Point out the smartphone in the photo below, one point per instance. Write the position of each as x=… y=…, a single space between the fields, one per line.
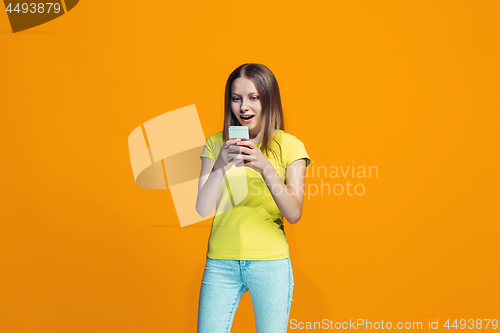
x=238 y=132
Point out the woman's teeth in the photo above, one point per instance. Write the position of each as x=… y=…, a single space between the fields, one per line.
x=247 y=118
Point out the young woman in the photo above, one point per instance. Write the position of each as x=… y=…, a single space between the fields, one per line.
x=252 y=183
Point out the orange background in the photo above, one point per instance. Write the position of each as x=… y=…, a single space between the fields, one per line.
x=412 y=88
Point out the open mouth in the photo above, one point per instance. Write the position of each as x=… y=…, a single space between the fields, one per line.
x=246 y=118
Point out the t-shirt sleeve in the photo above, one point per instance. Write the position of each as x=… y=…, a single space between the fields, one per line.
x=207 y=150
x=296 y=151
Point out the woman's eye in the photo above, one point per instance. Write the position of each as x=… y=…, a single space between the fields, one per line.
x=254 y=98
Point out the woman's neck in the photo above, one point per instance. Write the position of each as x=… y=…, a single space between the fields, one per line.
x=257 y=139
x=254 y=134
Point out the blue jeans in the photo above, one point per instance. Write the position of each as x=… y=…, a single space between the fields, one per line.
x=224 y=282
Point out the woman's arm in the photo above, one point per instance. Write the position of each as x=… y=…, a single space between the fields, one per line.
x=211 y=177
x=290 y=197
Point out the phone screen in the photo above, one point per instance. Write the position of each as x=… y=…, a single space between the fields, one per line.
x=238 y=132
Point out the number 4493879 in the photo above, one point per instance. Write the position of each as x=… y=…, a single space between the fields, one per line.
x=472 y=324
x=34 y=8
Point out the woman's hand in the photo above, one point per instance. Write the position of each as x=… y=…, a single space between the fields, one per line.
x=225 y=161
x=252 y=156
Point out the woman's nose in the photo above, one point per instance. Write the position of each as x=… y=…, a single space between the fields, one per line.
x=244 y=105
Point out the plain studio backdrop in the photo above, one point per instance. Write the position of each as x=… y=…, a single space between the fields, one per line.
x=409 y=87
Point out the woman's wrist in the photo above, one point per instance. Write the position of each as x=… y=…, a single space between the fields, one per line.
x=217 y=166
x=221 y=167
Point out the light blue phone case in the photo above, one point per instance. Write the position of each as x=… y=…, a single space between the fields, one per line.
x=240 y=132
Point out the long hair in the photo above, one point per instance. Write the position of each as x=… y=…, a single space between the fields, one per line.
x=269 y=95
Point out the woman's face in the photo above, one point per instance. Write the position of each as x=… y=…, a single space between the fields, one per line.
x=245 y=101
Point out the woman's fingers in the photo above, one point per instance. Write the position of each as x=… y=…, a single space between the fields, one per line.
x=246 y=142
x=235 y=155
x=232 y=142
x=241 y=150
x=232 y=153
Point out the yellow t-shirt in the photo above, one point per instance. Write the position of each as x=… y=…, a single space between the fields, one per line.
x=248 y=224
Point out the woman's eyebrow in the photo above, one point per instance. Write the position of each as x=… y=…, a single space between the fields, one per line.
x=248 y=93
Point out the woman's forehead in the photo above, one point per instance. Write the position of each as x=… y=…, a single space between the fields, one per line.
x=242 y=86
